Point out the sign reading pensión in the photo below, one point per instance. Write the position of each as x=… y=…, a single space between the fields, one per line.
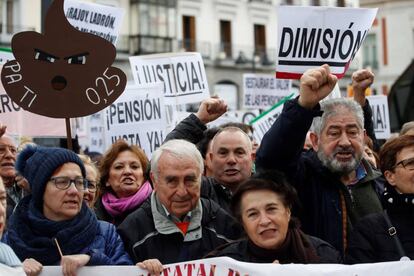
x=183 y=75
x=312 y=36
x=101 y=20
x=137 y=116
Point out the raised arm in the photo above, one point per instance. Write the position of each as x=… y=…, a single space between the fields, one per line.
x=283 y=143
x=192 y=127
x=361 y=80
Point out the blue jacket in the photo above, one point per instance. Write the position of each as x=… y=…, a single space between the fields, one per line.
x=319 y=190
x=107 y=247
x=31 y=235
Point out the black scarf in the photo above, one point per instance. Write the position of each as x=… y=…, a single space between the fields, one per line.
x=295 y=249
x=31 y=234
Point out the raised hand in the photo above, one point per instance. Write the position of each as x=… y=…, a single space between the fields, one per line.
x=210 y=109
x=315 y=85
x=361 y=80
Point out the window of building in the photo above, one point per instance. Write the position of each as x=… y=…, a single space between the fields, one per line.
x=316 y=3
x=370 y=55
x=9 y=18
x=259 y=40
x=153 y=24
x=340 y=3
x=189 y=35
x=225 y=38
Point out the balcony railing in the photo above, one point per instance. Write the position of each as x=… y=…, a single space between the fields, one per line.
x=147 y=44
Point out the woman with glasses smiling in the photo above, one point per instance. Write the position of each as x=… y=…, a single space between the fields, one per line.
x=389 y=236
x=53 y=225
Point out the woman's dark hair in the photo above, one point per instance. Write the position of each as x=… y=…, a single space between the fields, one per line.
x=270 y=180
x=389 y=151
x=110 y=156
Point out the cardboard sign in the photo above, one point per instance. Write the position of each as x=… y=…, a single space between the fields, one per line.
x=103 y=21
x=96 y=132
x=139 y=117
x=380 y=116
x=22 y=123
x=264 y=91
x=309 y=37
x=264 y=121
x=5 y=55
x=225 y=266
x=63 y=73
x=238 y=116
x=183 y=75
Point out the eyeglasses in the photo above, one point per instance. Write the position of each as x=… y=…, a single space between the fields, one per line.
x=91 y=185
x=407 y=164
x=63 y=182
x=4 y=148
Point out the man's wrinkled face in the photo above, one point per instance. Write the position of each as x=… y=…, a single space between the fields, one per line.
x=231 y=158
x=341 y=143
x=178 y=183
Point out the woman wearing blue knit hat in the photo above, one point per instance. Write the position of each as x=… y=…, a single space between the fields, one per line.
x=53 y=225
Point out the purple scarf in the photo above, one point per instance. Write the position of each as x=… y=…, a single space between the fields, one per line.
x=118 y=206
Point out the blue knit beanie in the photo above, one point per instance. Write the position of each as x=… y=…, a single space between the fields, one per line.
x=37 y=164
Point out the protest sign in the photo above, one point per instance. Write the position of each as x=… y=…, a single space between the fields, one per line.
x=264 y=91
x=183 y=75
x=101 y=20
x=264 y=121
x=138 y=116
x=5 y=55
x=22 y=123
x=380 y=116
x=225 y=266
x=237 y=116
x=96 y=133
x=312 y=36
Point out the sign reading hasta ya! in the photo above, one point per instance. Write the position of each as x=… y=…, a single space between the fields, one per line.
x=64 y=72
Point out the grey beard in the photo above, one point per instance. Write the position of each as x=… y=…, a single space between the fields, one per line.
x=335 y=166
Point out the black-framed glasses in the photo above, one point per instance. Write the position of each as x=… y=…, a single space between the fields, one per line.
x=92 y=185
x=407 y=164
x=64 y=182
x=4 y=148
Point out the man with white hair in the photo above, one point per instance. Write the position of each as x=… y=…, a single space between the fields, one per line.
x=335 y=185
x=175 y=225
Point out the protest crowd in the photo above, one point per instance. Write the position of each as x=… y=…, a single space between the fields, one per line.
x=318 y=188
x=211 y=192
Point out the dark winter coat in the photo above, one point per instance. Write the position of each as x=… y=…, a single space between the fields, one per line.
x=31 y=235
x=245 y=251
x=319 y=190
x=143 y=239
x=370 y=240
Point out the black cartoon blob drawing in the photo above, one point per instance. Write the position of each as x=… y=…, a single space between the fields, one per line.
x=63 y=73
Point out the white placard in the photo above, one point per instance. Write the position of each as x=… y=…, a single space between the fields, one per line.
x=264 y=121
x=311 y=36
x=264 y=91
x=225 y=266
x=183 y=75
x=101 y=20
x=5 y=55
x=380 y=116
x=137 y=116
x=96 y=132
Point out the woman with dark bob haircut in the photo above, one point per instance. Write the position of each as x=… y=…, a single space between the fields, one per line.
x=124 y=182
x=263 y=207
x=389 y=236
